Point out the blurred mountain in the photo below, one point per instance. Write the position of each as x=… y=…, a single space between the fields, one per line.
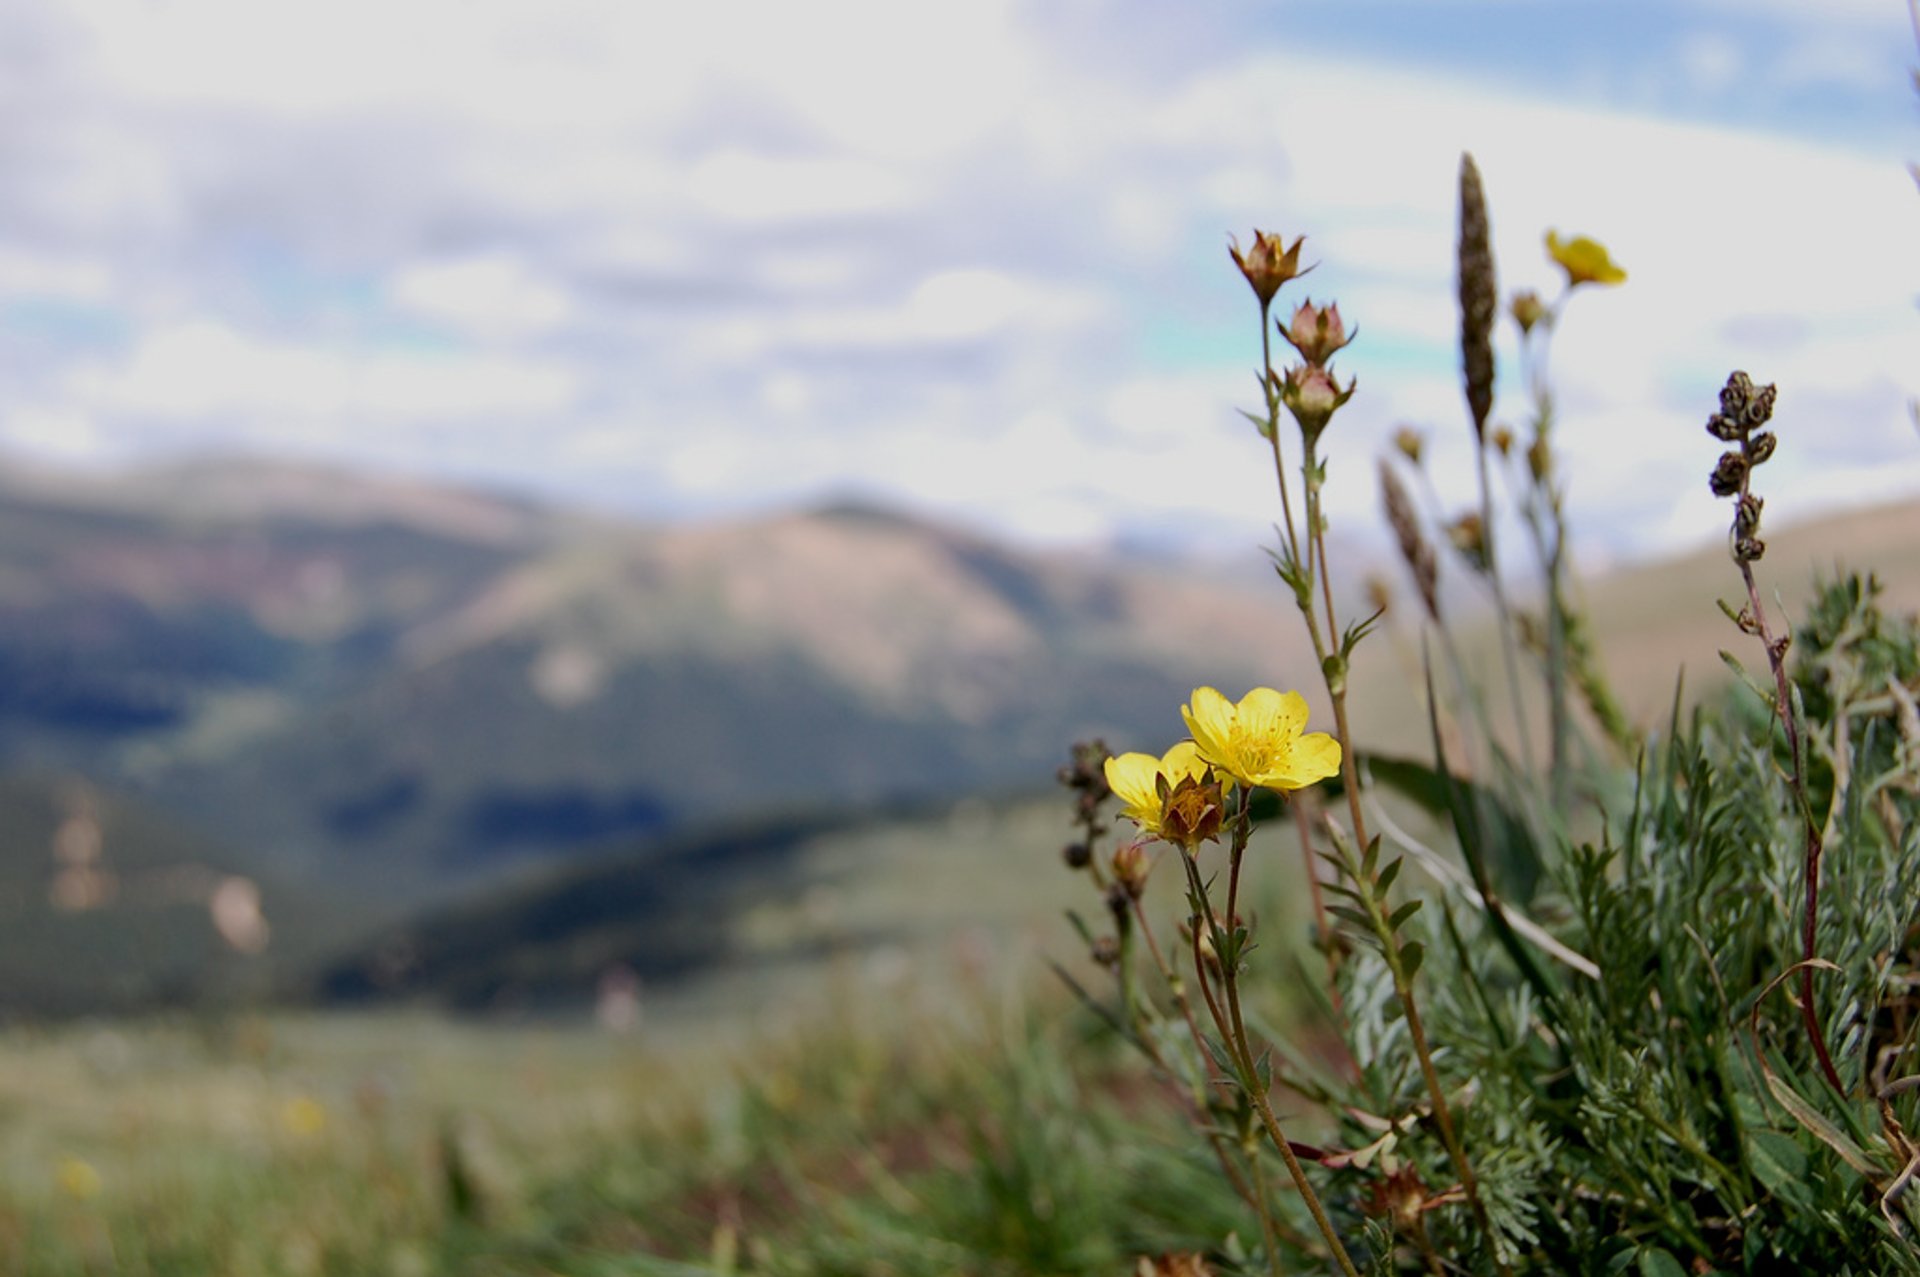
x=402 y=685
x=108 y=905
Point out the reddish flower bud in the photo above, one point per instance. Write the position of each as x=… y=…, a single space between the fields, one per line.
x=1268 y=264
x=1313 y=396
x=1316 y=332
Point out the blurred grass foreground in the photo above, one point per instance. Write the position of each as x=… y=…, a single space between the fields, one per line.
x=1459 y=960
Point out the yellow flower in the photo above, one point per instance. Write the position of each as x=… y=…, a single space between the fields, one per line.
x=1585 y=260
x=77 y=1178
x=303 y=1116
x=1259 y=740
x=1172 y=797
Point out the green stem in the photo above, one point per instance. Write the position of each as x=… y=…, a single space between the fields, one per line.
x=1178 y=992
x=1509 y=653
x=1241 y=1048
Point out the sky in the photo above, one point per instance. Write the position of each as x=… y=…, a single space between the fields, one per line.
x=685 y=260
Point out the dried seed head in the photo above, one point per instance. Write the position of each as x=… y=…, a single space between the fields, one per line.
x=1728 y=475
x=1724 y=428
x=1420 y=558
x=1479 y=298
x=1469 y=536
x=1744 y=408
x=1077 y=855
x=1502 y=440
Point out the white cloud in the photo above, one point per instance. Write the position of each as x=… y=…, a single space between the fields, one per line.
x=492 y=296
x=205 y=372
x=730 y=252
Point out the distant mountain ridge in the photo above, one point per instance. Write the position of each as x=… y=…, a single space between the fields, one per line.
x=363 y=677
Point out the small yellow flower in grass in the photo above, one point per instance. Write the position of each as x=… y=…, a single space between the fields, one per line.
x=1585 y=260
x=1259 y=741
x=1173 y=798
x=303 y=1117
x=77 y=1178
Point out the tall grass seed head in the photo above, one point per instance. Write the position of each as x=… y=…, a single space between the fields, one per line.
x=1269 y=264
x=1316 y=332
x=1479 y=296
x=1414 y=548
x=1585 y=260
x=1261 y=739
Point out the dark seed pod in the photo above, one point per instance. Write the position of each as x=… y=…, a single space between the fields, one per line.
x=1728 y=475
x=1479 y=296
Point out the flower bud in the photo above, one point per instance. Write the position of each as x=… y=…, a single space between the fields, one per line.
x=1539 y=461
x=1130 y=865
x=1268 y=265
x=1316 y=332
x=1469 y=536
x=1312 y=396
x=1410 y=442
x=1527 y=310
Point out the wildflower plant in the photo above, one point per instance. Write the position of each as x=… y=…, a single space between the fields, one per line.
x=1642 y=1003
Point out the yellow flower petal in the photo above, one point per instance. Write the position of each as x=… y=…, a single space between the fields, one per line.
x=1316 y=756
x=1134 y=780
x=1209 y=716
x=1585 y=260
x=1258 y=740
